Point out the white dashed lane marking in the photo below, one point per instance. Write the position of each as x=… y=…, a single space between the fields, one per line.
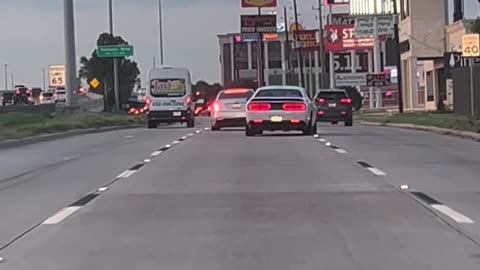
x=459 y=218
x=60 y=216
x=156 y=153
x=341 y=151
x=377 y=171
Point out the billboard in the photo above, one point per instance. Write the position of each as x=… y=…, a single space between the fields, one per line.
x=342 y=38
x=307 y=40
x=258 y=23
x=56 y=76
x=259 y=3
x=371 y=7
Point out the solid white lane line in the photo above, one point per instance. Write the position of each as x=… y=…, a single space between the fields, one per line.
x=60 y=216
x=377 y=171
x=156 y=153
x=459 y=218
x=341 y=151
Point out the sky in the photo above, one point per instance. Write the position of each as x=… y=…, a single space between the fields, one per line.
x=31 y=32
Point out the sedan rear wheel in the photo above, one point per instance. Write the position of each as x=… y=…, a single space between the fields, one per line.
x=249 y=132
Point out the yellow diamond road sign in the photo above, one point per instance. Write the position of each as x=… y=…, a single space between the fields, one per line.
x=94 y=83
x=471 y=45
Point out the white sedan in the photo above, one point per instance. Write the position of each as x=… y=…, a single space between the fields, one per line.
x=282 y=108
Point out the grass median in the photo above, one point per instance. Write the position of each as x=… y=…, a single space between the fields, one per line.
x=19 y=125
x=431 y=119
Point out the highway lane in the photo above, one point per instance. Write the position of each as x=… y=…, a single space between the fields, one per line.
x=445 y=168
x=223 y=201
x=40 y=179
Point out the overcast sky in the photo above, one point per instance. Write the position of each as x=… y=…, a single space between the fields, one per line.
x=31 y=32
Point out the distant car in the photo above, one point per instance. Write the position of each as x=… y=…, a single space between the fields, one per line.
x=60 y=95
x=334 y=106
x=228 y=109
x=8 y=98
x=47 y=97
x=23 y=95
x=282 y=108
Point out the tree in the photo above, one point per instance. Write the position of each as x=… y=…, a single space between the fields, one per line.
x=102 y=69
x=357 y=99
x=476 y=26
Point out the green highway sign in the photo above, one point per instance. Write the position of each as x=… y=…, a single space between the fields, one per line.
x=114 y=51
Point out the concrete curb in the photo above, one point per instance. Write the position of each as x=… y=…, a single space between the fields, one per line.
x=442 y=131
x=55 y=136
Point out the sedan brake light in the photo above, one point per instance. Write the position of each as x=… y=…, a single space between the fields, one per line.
x=320 y=100
x=259 y=107
x=345 y=101
x=17 y=92
x=294 y=107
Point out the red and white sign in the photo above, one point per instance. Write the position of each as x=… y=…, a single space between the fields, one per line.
x=259 y=3
x=342 y=38
x=307 y=40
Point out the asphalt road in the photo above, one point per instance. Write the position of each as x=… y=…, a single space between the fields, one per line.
x=219 y=200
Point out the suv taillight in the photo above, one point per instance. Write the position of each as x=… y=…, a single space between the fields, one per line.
x=321 y=100
x=294 y=107
x=345 y=101
x=259 y=107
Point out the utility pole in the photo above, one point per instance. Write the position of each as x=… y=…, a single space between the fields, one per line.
x=322 y=49
x=43 y=79
x=116 y=83
x=70 y=53
x=287 y=42
x=260 y=63
x=154 y=62
x=160 y=26
x=396 y=32
x=300 y=57
x=6 y=77
x=13 y=82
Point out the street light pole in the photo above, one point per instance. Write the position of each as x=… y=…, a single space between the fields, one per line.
x=6 y=77
x=115 y=61
x=70 y=53
x=160 y=27
x=322 y=49
x=396 y=31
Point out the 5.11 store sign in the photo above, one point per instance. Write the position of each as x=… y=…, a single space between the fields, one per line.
x=342 y=62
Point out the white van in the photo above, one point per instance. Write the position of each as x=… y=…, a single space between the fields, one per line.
x=170 y=96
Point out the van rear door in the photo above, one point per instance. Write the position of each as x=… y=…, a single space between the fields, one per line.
x=168 y=95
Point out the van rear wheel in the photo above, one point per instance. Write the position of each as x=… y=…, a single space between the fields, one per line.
x=190 y=122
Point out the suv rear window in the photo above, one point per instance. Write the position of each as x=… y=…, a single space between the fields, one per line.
x=168 y=87
x=279 y=93
x=235 y=94
x=47 y=94
x=332 y=95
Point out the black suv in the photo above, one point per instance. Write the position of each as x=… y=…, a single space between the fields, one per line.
x=334 y=106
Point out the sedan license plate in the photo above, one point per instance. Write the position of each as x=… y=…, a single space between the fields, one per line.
x=332 y=105
x=177 y=113
x=236 y=106
x=276 y=119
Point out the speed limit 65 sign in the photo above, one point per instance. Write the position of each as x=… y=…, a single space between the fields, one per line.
x=56 y=75
x=470 y=45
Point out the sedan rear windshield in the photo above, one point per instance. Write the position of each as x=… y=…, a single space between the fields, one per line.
x=168 y=87
x=47 y=94
x=332 y=95
x=236 y=95
x=280 y=93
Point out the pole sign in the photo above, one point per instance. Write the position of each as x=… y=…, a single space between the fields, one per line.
x=471 y=45
x=258 y=23
x=378 y=80
x=114 y=51
x=342 y=38
x=354 y=79
x=365 y=26
x=259 y=3
x=307 y=40
x=56 y=76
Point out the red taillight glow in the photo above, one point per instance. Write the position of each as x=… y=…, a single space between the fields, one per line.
x=132 y=110
x=345 y=101
x=235 y=91
x=188 y=100
x=344 y=113
x=216 y=107
x=17 y=92
x=320 y=100
x=320 y=112
x=294 y=107
x=28 y=92
x=295 y=121
x=259 y=107
x=146 y=100
x=257 y=121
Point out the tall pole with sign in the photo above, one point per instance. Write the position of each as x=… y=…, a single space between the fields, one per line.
x=470 y=49
x=115 y=62
x=396 y=32
x=160 y=27
x=6 y=77
x=287 y=42
x=300 y=57
x=331 y=54
x=320 y=43
x=70 y=53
